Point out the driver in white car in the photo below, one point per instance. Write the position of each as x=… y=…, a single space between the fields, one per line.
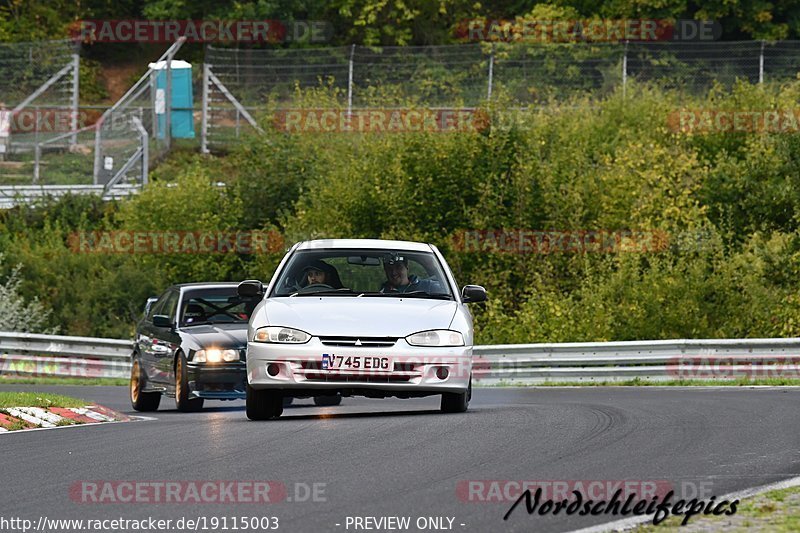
x=321 y=273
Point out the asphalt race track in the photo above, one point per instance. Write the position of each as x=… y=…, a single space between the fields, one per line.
x=381 y=458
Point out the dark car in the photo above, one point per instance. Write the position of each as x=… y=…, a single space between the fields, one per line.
x=191 y=345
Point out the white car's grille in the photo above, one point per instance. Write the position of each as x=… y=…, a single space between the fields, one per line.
x=367 y=342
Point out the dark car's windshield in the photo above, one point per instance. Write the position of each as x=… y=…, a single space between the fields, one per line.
x=214 y=306
x=363 y=273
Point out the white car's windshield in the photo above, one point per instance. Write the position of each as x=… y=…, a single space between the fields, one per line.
x=363 y=273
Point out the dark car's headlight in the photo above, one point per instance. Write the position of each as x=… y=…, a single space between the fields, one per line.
x=281 y=335
x=215 y=355
x=436 y=337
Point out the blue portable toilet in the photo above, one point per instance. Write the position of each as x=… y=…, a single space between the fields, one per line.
x=182 y=120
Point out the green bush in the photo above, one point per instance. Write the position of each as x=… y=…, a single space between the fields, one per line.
x=722 y=210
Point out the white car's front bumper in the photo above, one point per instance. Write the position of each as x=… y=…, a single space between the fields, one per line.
x=412 y=370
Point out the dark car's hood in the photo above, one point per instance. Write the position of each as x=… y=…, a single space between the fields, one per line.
x=232 y=336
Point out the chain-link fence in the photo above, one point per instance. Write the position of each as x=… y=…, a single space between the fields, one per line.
x=138 y=126
x=39 y=84
x=240 y=82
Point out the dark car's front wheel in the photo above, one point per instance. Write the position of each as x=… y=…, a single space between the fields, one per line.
x=141 y=401
x=182 y=400
x=263 y=404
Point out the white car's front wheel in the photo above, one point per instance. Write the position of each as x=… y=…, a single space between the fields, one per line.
x=457 y=402
x=263 y=404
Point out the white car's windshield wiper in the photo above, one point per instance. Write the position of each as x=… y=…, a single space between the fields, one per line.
x=344 y=291
x=414 y=294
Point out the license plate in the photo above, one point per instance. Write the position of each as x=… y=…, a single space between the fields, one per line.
x=354 y=362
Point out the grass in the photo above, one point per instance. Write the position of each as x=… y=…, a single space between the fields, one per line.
x=17 y=425
x=64 y=381
x=778 y=511
x=62 y=167
x=39 y=399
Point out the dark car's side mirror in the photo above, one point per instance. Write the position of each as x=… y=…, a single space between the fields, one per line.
x=250 y=288
x=162 y=321
x=149 y=304
x=473 y=294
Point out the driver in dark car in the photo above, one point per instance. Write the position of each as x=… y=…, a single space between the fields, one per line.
x=321 y=273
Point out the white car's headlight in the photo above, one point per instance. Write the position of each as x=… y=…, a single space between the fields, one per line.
x=281 y=335
x=436 y=337
x=215 y=355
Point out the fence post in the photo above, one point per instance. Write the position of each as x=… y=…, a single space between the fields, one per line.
x=145 y=140
x=168 y=104
x=76 y=58
x=624 y=70
x=350 y=81
x=204 y=116
x=491 y=73
x=37 y=151
x=761 y=64
x=96 y=170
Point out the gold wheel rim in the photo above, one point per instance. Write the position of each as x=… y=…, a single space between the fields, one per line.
x=135 y=381
x=178 y=380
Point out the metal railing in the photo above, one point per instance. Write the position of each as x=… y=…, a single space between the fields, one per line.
x=13 y=195
x=28 y=354
x=25 y=354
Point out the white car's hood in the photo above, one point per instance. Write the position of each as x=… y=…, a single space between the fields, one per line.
x=365 y=316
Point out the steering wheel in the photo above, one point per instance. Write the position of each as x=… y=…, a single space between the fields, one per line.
x=317 y=286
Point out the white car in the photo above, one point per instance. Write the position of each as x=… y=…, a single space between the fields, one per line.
x=359 y=317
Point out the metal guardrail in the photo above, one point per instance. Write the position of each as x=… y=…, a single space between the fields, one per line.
x=664 y=360
x=33 y=355
x=12 y=195
x=25 y=354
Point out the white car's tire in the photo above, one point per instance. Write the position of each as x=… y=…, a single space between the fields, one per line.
x=263 y=404
x=457 y=402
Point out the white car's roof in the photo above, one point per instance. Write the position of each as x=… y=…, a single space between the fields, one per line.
x=378 y=244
